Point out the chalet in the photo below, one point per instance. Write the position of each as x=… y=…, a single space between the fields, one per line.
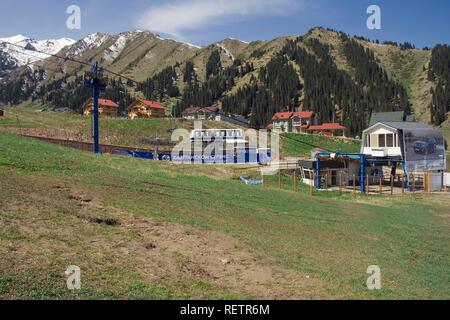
x=208 y=113
x=106 y=108
x=297 y=122
x=146 y=109
x=190 y=113
x=327 y=129
x=195 y=113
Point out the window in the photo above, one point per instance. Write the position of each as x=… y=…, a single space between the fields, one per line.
x=382 y=140
x=374 y=141
x=390 y=140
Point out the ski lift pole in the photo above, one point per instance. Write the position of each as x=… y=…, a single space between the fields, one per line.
x=96 y=94
x=97 y=84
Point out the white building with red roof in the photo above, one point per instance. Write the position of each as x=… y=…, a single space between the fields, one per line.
x=304 y=122
x=297 y=122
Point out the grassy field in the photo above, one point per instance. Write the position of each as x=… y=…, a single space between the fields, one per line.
x=146 y=230
x=25 y=119
x=301 y=145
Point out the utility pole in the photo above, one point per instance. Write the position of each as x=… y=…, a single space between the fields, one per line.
x=95 y=81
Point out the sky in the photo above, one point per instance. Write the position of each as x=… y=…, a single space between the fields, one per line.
x=202 y=22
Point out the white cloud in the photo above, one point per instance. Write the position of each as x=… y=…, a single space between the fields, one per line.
x=176 y=16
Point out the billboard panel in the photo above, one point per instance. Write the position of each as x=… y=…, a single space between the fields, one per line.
x=424 y=149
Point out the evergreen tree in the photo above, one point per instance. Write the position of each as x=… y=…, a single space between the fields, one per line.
x=214 y=64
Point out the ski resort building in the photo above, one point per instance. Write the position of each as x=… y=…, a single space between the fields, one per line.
x=106 y=108
x=410 y=155
x=195 y=113
x=296 y=122
x=145 y=109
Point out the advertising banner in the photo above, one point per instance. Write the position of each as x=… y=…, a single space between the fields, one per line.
x=424 y=150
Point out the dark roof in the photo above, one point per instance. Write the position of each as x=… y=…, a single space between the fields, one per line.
x=407 y=125
x=209 y=110
x=398 y=116
x=190 y=110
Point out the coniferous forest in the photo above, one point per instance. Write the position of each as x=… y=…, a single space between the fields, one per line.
x=439 y=72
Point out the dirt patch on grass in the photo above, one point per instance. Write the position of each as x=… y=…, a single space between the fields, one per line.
x=115 y=249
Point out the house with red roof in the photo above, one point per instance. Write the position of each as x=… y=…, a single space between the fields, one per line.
x=328 y=129
x=145 y=109
x=296 y=122
x=106 y=108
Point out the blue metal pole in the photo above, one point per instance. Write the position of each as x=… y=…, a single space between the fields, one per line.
x=318 y=178
x=96 y=94
x=405 y=172
x=97 y=85
x=362 y=174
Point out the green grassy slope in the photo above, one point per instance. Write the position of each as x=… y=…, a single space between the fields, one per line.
x=124 y=132
x=300 y=145
x=317 y=246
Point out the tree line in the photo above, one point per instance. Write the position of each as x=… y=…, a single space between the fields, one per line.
x=439 y=72
x=219 y=80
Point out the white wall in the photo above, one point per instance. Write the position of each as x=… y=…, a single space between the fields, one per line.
x=381 y=151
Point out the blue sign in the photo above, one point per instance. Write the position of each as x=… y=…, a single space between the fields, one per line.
x=240 y=156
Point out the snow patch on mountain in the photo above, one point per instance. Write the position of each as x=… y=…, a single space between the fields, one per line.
x=90 y=42
x=228 y=52
x=245 y=42
x=116 y=49
x=182 y=42
x=21 y=50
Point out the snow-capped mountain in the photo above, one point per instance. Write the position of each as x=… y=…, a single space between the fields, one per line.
x=14 y=55
x=89 y=42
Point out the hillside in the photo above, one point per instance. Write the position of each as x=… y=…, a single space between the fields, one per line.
x=28 y=119
x=299 y=145
x=165 y=231
x=343 y=78
x=408 y=67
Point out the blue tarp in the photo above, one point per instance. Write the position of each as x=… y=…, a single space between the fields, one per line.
x=251 y=182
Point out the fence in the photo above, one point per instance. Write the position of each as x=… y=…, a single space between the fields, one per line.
x=343 y=182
